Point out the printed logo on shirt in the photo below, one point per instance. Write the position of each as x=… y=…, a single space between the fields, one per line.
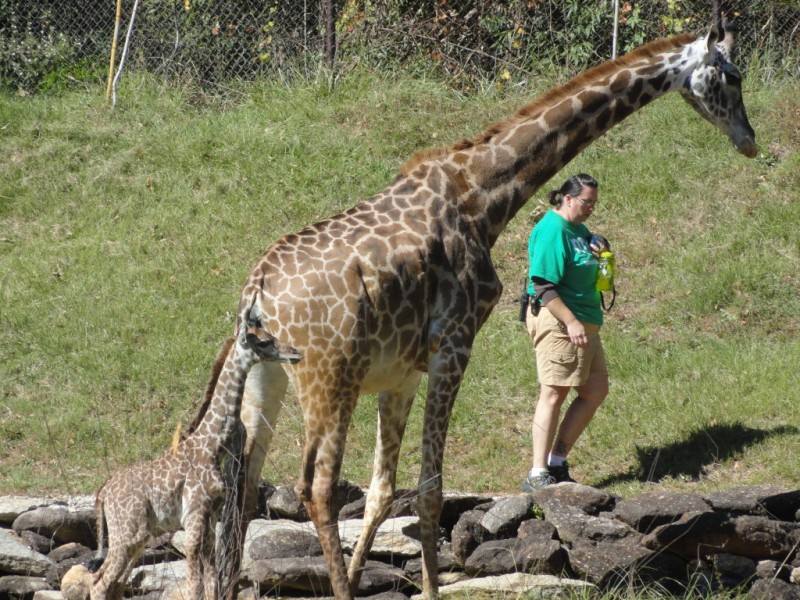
x=583 y=254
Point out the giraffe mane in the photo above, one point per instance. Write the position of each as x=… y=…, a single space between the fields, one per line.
x=211 y=385
x=550 y=98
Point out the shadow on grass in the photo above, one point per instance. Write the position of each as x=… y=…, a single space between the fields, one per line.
x=691 y=457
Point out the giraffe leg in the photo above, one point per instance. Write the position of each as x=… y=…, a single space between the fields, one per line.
x=326 y=430
x=127 y=536
x=443 y=386
x=393 y=409
x=112 y=576
x=193 y=525
x=263 y=395
x=209 y=564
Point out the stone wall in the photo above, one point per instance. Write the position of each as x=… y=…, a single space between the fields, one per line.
x=565 y=536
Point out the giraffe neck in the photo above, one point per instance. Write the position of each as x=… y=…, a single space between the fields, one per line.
x=226 y=401
x=497 y=172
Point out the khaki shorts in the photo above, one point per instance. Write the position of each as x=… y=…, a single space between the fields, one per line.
x=559 y=362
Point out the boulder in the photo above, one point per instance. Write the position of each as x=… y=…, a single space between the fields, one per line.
x=397 y=537
x=311 y=575
x=732 y=571
x=518 y=584
x=707 y=533
x=503 y=519
x=588 y=499
x=624 y=562
x=647 y=511
x=573 y=524
x=76 y=583
x=17 y=558
x=768 y=500
x=497 y=557
x=59 y=522
x=467 y=535
x=773 y=589
x=20 y=587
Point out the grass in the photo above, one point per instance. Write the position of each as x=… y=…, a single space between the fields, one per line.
x=125 y=237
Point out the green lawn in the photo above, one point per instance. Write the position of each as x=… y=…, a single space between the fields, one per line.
x=125 y=237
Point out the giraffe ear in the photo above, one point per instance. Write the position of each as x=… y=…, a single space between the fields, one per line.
x=715 y=36
x=727 y=43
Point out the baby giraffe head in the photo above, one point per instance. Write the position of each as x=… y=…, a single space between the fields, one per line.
x=254 y=337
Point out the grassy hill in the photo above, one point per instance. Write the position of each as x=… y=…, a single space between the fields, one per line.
x=125 y=237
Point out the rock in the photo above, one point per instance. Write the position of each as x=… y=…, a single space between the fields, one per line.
x=395 y=537
x=731 y=571
x=76 y=583
x=265 y=527
x=20 y=587
x=647 y=511
x=60 y=523
x=284 y=504
x=535 y=531
x=17 y=558
x=69 y=551
x=446 y=564
x=573 y=524
x=711 y=533
x=380 y=577
x=402 y=506
x=700 y=579
x=285 y=543
x=454 y=505
x=583 y=532
x=55 y=576
x=497 y=557
x=39 y=543
x=504 y=518
x=531 y=586
x=773 y=589
x=13 y=506
x=354 y=510
x=767 y=500
x=311 y=575
x=281 y=574
x=467 y=535
x=588 y=499
x=48 y=595
x=769 y=569
x=623 y=562
x=151 y=578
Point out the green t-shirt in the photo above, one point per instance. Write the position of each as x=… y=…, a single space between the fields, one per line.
x=558 y=252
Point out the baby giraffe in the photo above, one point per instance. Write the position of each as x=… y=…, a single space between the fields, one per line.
x=185 y=486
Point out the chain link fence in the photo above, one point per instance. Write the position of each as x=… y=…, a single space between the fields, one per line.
x=46 y=44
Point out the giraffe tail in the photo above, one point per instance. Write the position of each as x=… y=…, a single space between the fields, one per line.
x=102 y=529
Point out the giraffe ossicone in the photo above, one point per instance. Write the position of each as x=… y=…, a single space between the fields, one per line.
x=400 y=284
x=185 y=486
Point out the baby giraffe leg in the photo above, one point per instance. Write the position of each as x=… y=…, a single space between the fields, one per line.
x=194 y=579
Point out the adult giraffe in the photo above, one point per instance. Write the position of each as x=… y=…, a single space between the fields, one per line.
x=401 y=283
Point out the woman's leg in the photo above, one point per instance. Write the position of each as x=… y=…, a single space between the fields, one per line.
x=545 y=421
x=590 y=396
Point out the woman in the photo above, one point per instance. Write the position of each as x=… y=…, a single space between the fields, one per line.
x=564 y=324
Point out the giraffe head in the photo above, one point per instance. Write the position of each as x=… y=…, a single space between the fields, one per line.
x=254 y=337
x=714 y=89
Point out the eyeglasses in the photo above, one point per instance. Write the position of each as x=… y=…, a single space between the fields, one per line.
x=587 y=203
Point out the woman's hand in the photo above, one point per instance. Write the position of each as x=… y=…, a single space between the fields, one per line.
x=597 y=244
x=577 y=334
